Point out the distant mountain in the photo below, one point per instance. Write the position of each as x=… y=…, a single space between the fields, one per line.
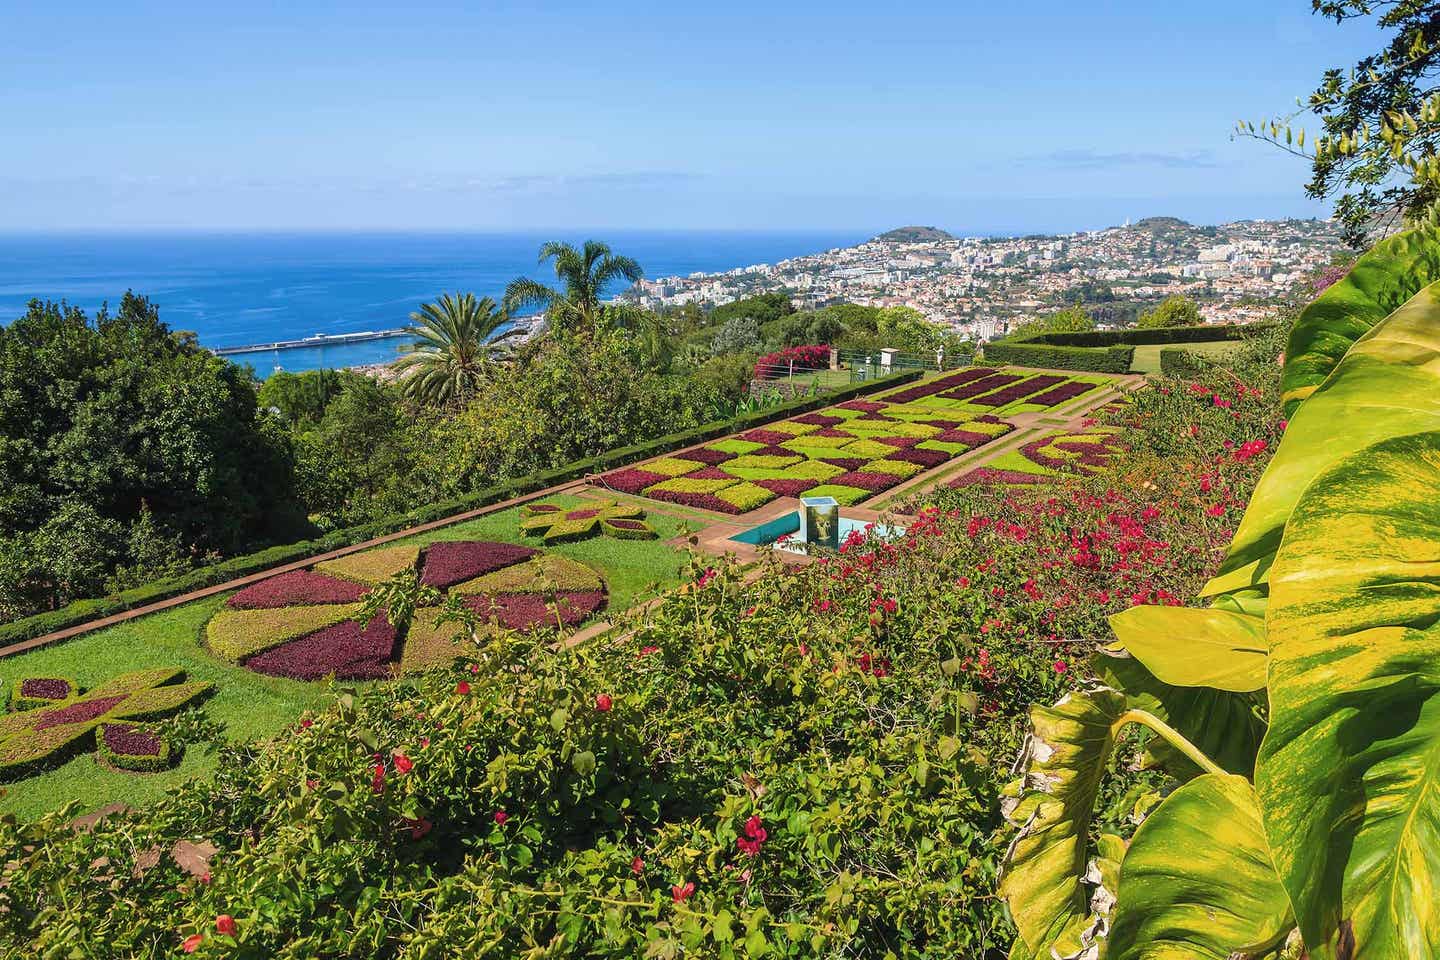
x=914 y=235
x=1163 y=224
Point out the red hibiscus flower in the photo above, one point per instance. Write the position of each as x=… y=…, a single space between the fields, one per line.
x=226 y=924
x=462 y=688
x=501 y=816
x=192 y=943
x=637 y=866
x=418 y=828
x=603 y=703
x=682 y=892
x=378 y=782
x=403 y=764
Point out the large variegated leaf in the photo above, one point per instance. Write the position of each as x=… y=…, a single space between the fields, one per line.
x=1197 y=882
x=1222 y=725
x=1186 y=647
x=1042 y=878
x=1349 y=773
x=1388 y=385
x=1392 y=272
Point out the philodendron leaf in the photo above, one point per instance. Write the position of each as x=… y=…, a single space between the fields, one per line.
x=1186 y=647
x=1222 y=725
x=1349 y=773
x=1388 y=385
x=1197 y=881
x=1384 y=278
x=1042 y=876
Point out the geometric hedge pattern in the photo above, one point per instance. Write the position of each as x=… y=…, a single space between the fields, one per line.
x=1044 y=459
x=302 y=625
x=557 y=524
x=43 y=736
x=850 y=451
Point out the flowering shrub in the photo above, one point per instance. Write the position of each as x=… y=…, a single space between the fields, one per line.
x=42 y=737
x=778 y=364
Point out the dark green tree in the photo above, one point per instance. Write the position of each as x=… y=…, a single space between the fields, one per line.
x=1174 y=311
x=103 y=420
x=1376 y=152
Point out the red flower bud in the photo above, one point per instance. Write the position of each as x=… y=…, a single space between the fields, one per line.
x=637 y=866
x=192 y=943
x=226 y=924
x=501 y=816
x=462 y=688
x=403 y=764
x=603 y=703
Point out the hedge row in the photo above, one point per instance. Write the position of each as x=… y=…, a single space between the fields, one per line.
x=1179 y=362
x=1136 y=337
x=1113 y=359
x=82 y=611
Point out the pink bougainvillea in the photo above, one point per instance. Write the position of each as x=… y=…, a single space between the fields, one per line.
x=295 y=588
x=778 y=364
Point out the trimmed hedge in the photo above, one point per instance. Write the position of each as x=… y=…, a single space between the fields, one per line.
x=1179 y=362
x=1115 y=359
x=1136 y=337
x=82 y=611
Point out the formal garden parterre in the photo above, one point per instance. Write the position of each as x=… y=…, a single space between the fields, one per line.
x=306 y=625
x=854 y=450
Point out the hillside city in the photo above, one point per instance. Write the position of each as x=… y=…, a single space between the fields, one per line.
x=984 y=286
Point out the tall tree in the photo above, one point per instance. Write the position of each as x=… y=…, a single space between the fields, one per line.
x=452 y=358
x=1378 y=152
x=582 y=276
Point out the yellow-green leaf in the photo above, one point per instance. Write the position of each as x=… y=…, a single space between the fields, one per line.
x=1197 y=881
x=1349 y=773
x=1388 y=385
x=1186 y=647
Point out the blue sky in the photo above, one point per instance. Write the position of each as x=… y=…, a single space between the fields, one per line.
x=493 y=116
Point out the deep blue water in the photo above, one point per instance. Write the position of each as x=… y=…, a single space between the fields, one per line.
x=236 y=289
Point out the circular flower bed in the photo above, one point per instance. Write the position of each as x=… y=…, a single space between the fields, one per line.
x=303 y=625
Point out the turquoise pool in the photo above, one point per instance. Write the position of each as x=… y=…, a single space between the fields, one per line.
x=787 y=525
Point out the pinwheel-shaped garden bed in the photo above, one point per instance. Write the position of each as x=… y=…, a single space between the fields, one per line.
x=303 y=625
x=51 y=721
x=557 y=524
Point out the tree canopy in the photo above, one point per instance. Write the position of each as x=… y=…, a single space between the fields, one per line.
x=1376 y=151
x=1174 y=311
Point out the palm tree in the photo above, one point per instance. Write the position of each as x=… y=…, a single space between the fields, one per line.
x=582 y=274
x=457 y=335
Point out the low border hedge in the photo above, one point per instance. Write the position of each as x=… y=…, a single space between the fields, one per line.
x=94 y=608
x=1116 y=359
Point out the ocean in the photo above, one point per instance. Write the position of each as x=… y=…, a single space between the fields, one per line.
x=241 y=289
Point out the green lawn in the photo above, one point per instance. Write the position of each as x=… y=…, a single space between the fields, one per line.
x=253 y=706
x=1147 y=356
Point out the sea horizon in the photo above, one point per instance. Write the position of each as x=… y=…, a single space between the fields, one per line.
x=247 y=287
